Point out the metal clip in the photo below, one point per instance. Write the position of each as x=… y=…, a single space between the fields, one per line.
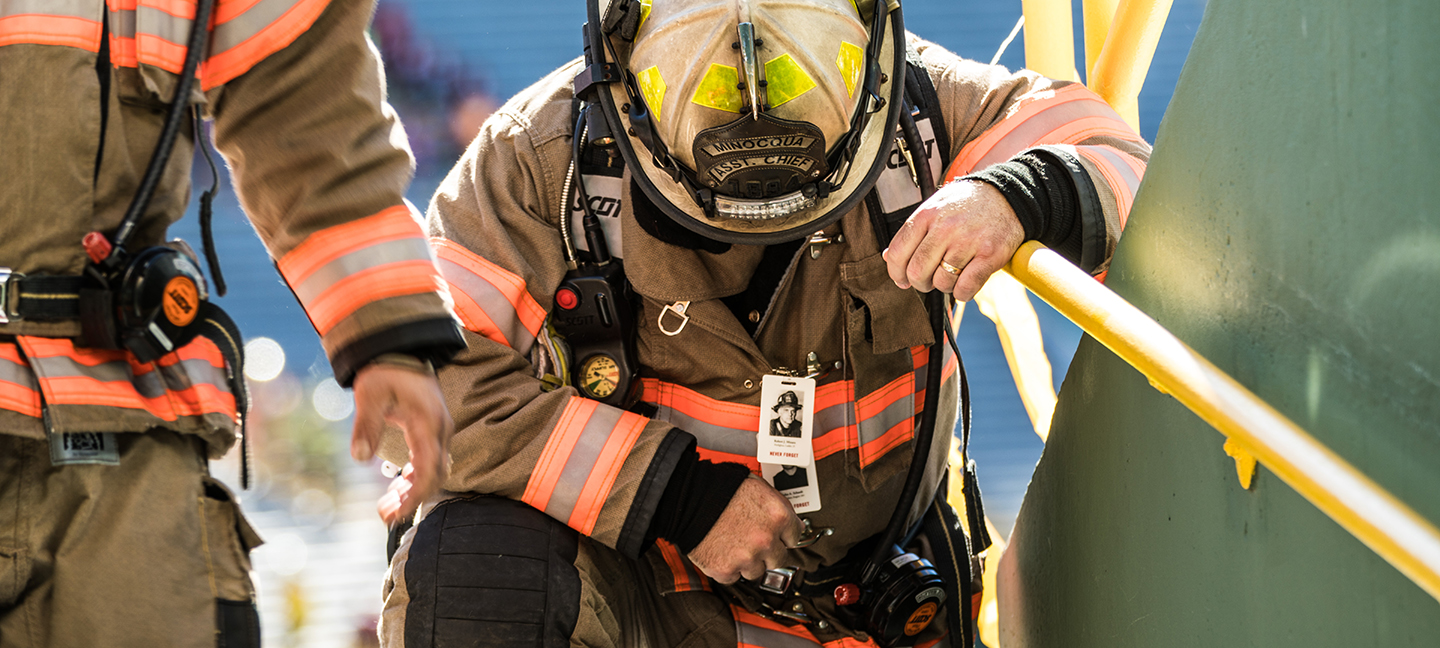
x=679 y=309
x=819 y=240
x=5 y=275
x=909 y=161
x=811 y=536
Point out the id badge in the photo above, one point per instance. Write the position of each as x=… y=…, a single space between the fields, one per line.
x=787 y=420
x=796 y=483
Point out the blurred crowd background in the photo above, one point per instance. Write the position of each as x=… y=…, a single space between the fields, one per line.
x=449 y=64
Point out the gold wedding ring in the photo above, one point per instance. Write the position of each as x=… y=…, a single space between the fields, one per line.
x=949 y=268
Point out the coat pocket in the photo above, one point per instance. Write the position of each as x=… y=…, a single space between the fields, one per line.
x=228 y=541
x=885 y=326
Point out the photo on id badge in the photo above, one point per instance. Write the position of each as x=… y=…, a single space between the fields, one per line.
x=786 y=420
x=796 y=483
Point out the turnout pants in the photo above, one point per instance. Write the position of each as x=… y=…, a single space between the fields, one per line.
x=496 y=573
x=152 y=552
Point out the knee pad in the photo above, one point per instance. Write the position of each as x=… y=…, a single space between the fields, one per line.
x=493 y=572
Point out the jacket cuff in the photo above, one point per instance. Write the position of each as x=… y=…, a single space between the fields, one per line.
x=434 y=340
x=634 y=535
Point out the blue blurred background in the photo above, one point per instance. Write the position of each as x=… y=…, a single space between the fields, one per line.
x=449 y=64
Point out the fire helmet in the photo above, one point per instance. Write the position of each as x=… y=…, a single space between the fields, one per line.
x=748 y=121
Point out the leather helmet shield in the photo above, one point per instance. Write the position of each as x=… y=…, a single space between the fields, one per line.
x=677 y=131
x=763 y=158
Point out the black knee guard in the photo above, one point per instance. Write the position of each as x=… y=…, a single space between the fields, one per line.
x=493 y=572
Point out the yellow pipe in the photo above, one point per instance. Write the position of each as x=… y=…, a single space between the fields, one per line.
x=1098 y=14
x=1385 y=524
x=1005 y=302
x=1119 y=71
x=1049 y=41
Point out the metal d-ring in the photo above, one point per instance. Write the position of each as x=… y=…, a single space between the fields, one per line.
x=679 y=309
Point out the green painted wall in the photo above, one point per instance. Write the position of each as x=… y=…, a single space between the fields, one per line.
x=1289 y=230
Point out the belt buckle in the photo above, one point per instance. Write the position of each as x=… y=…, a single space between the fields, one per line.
x=5 y=275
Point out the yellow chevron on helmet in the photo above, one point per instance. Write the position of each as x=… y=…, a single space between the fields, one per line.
x=800 y=40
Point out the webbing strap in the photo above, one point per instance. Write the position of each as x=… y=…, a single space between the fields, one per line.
x=46 y=297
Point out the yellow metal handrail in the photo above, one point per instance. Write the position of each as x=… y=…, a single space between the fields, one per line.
x=1370 y=513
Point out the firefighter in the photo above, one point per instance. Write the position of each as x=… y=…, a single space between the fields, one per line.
x=114 y=394
x=769 y=175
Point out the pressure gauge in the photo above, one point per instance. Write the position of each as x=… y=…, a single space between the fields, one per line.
x=599 y=376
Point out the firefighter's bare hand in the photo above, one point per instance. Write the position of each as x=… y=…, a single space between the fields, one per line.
x=750 y=536
x=969 y=226
x=411 y=400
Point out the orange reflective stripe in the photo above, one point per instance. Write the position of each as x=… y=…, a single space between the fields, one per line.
x=81 y=390
x=238 y=59
x=154 y=50
x=723 y=431
x=340 y=269
x=178 y=8
x=326 y=245
x=113 y=378
x=40 y=347
x=17 y=383
x=1066 y=116
x=755 y=631
x=495 y=300
x=200 y=349
x=356 y=291
x=40 y=29
x=552 y=459
x=847 y=642
x=227 y=10
x=677 y=568
x=581 y=460
x=606 y=468
x=692 y=403
x=19 y=399
x=122 y=51
x=834 y=431
x=1121 y=171
x=203 y=399
x=473 y=317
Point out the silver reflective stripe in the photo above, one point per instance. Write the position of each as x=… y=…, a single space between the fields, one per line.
x=122 y=23
x=1126 y=173
x=155 y=22
x=18 y=374
x=746 y=634
x=492 y=301
x=195 y=371
x=896 y=413
x=581 y=461
x=832 y=418
x=373 y=256
x=87 y=9
x=63 y=367
x=709 y=436
x=148 y=385
x=242 y=27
